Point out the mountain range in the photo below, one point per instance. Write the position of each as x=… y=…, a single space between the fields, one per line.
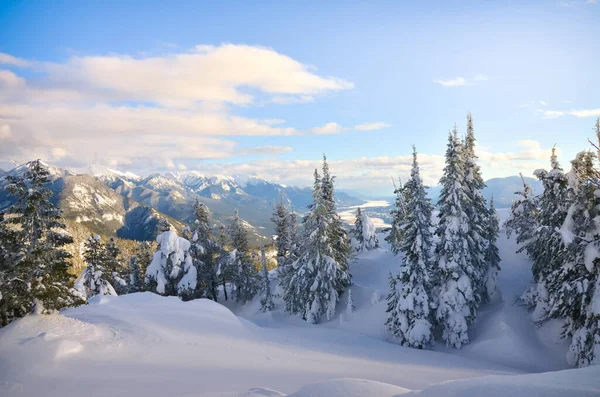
x=113 y=203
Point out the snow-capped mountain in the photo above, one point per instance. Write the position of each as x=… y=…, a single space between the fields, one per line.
x=87 y=201
x=112 y=202
x=174 y=194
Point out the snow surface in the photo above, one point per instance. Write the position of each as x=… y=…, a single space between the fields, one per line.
x=147 y=345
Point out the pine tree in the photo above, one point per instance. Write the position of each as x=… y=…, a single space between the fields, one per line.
x=548 y=250
x=266 y=300
x=457 y=301
x=14 y=295
x=364 y=236
x=95 y=279
x=523 y=219
x=281 y=218
x=137 y=266
x=114 y=266
x=294 y=238
x=398 y=213
x=477 y=212
x=411 y=301
x=204 y=251
x=574 y=288
x=171 y=271
x=43 y=265
x=245 y=277
x=491 y=253
x=311 y=288
x=225 y=264
x=335 y=227
x=136 y=280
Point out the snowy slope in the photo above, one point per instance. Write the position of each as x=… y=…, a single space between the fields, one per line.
x=144 y=344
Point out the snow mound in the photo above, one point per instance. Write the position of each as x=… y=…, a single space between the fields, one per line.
x=349 y=387
x=573 y=383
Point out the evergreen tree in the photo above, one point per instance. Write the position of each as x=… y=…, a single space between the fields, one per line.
x=205 y=253
x=523 y=219
x=136 y=280
x=14 y=294
x=294 y=238
x=42 y=261
x=410 y=304
x=225 y=270
x=491 y=254
x=548 y=250
x=457 y=301
x=114 y=266
x=171 y=271
x=398 y=213
x=137 y=266
x=163 y=225
x=95 y=279
x=311 y=288
x=335 y=227
x=364 y=236
x=245 y=277
x=266 y=300
x=477 y=212
x=574 y=288
x=281 y=218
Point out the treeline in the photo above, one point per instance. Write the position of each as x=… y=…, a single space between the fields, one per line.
x=448 y=271
x=559 y=230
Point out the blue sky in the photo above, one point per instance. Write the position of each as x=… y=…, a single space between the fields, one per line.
x=125 y=85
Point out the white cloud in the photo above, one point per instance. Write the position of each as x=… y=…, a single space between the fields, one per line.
x=267 y=150
x=550 y=114
x=328 y=129
x=543 y=103
x=207 y=73
x=371 y=126
x=586 y=113
x=6 y=59
x=152 y=110
x=461 y=81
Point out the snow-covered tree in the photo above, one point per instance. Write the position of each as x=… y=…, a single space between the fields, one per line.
x=14 y=295
x=410 y=302
x=338 y=237
x=41 y=260
x=114 y=266
x=225 y=264
x=295 y=243
x=163 y=225
x=95 y=279
x=523 y=219
x=547 y=249
x=281 y=218
x=364 y=236
x=491 y=253
x=398 y=213
x=137 y=266
x=266 y=300
x=477 y=212
x=245 y=277
x=311 y=288
x=205 y=252
x=457 y=300
x=171 y=271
